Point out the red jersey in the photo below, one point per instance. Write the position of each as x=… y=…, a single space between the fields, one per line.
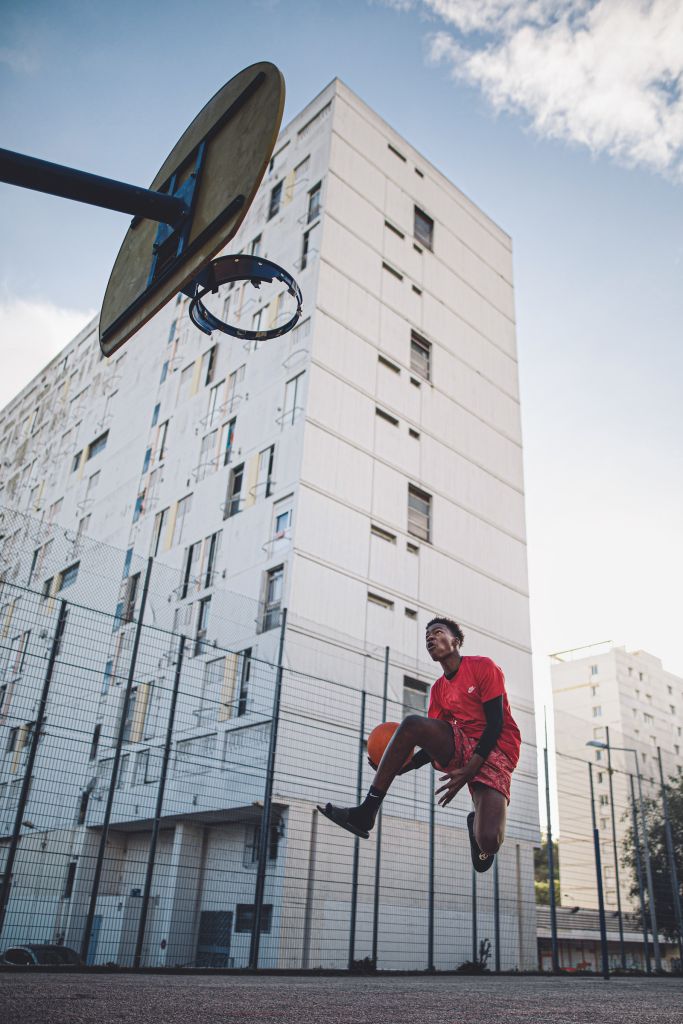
x=461 y=700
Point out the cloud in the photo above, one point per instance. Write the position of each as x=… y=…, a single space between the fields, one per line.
x=606 y=74
x=31 y=334
x=22 y=61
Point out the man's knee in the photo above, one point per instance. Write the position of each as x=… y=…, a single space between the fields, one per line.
x=412 y=724
x=489 y=840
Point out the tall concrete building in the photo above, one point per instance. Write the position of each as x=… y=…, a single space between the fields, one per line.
x=629 y=694
x=363 y=472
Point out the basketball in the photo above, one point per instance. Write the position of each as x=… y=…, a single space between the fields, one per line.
x=379 y=739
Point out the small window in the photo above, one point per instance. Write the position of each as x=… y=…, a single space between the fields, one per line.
x=232 y=504
x=386 y=416
x=392 y=270
x=95 y=741
x=98 y=445
x=244 y=921
x=146 y=461
x=414 y=695
x=275 y=200
x=255 y=247
x=594 y=670
x=281 y=523
x=273 y=598
x=392 y=227
x=76 y=461
x=161 y=441
x=202 y=625
x=378 y=599
x=419 y=513
x=68 y=576
x=597 y=711
x=424 y=229
x=228 y=440
x=244 y=675
x=396 y=152
x=182 y=512
x=293 y=395
x=69 y=883
x=388 y=363
x=377 y=531
x=314 y=202
x=420 y=355
x=209 y=365
x=264 y=480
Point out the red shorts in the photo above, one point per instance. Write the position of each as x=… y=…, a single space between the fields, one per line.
x=496 y=771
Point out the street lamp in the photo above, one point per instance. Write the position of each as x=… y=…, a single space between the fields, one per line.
x=646 y=840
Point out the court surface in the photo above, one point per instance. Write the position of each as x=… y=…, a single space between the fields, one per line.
x=118 y=999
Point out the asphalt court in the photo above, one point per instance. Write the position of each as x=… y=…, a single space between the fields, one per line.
x=53 y=998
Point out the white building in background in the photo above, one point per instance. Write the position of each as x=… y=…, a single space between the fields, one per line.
x=365 y=472
x=631 y=694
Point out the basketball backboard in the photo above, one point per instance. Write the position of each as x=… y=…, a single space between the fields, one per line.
x=215 y=168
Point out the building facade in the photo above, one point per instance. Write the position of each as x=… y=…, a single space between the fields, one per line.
x=628 y=695
x=363 y=472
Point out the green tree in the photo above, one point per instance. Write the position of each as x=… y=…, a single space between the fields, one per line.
x=541 y=880
x=661 y=877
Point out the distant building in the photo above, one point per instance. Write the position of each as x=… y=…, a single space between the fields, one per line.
x=364 y=472
x=632 y=695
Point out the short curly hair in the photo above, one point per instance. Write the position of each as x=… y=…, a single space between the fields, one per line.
x=450 y=625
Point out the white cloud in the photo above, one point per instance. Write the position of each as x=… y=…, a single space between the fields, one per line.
x=31 y=334
x=607 y=74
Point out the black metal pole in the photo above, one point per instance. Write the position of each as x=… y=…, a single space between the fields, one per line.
x=157 y=814
x=622 y=947
x=378 y=840
x=430 y=923
x=671 y=857
x=496 y=913
x=70 y=183
x=356 y=845
x=639 y=875
x=264 y=837
x=598 y=878
x=475 y=956
x=551 y=864
x=648 y=870
x=94 y=892
x=30 y=761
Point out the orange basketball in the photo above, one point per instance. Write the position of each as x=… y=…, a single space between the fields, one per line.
x=379 y=739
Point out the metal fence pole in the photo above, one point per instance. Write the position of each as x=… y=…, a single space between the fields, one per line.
x=496 y=913
x=264 y=837
x=551 y=863
x=87 y=932
x=622 y=947
x=474 y=917
x=598 y=878
x=639 y=875
x=356 y=845
x=671 y=856
x=648 y=870
x=30 y=761
x=430 y=923
x=160 y=801
x=378 y=841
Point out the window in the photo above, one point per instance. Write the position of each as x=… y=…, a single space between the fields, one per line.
x=305 y=244
x=192 y=556
x=597 y=711
x=423 y=229
x=314 y=202
x=594 y=670
x=183 y=510
x=396 y=152
x=275 y=200
x=420 y=355
x=202 y=625
x=232 y=504
x=213 y=542
x=255 y=247
x=214 y=410
x=76 y=461
x=601 y=777
x=70 y=877
x=252 y=841
x=389 y=365
x=209 y=365
x=392 y=270
x=155 y=415
x=599 y=732
x=594 y=691
x=598 y=755
x=68 y=576
x=139 y=506
x=227 y=440
x=264 y=481
x=293 y=394
x=186 y=376
x=414 y=696
x=160 y=520
x=95 y=741
x=273 y=598
x=132 y=584
x=83 y=806
x=108 y=672
x=161 y=440
x=604 y=800
x=419 y=513
x=98 y=445
x=378 y=531
x=234 y=381
x=648 y=719
x=281 y=523
x=386 y=416
x=146 y=460
x=93 y=481
x=18 y=652
x=206 y=450
x=245 y=917
x=244 y=675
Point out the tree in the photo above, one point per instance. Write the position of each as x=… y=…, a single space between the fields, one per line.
x=661 y=878
x=541 y=880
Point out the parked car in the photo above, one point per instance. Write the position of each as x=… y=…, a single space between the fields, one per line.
x=28 y=956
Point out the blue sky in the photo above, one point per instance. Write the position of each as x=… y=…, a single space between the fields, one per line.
x=561 y=119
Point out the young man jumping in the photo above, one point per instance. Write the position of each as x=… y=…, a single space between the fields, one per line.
x=470 y=735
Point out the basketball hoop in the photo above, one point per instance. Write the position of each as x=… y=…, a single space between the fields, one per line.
x=239 y=268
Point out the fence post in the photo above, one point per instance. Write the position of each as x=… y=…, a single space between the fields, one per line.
x=551 y=862
x=622 y=948
x=648 y=870
x=85 y=941
x=475 y=952
x=639 y=874
x=264 y=837
x=378 y=841
x=598 y=877
x=30 y=761
x=430 y=939
x=356 y=845
x=671 y=855
x=160 y=801
x=496 y=912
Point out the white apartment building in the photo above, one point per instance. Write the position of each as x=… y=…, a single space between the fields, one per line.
x=363 y=472
x=631 y=694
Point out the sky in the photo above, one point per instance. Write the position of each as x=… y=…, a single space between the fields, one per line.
x=561 y=119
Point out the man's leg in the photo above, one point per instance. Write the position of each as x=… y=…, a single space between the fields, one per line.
x=431 y=734
x=490 y=814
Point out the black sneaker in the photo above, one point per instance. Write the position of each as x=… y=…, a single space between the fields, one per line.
x=480 y=861
x=341 y=816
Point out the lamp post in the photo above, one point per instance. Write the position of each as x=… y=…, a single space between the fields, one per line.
x=646 y=843
x=622 y=948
